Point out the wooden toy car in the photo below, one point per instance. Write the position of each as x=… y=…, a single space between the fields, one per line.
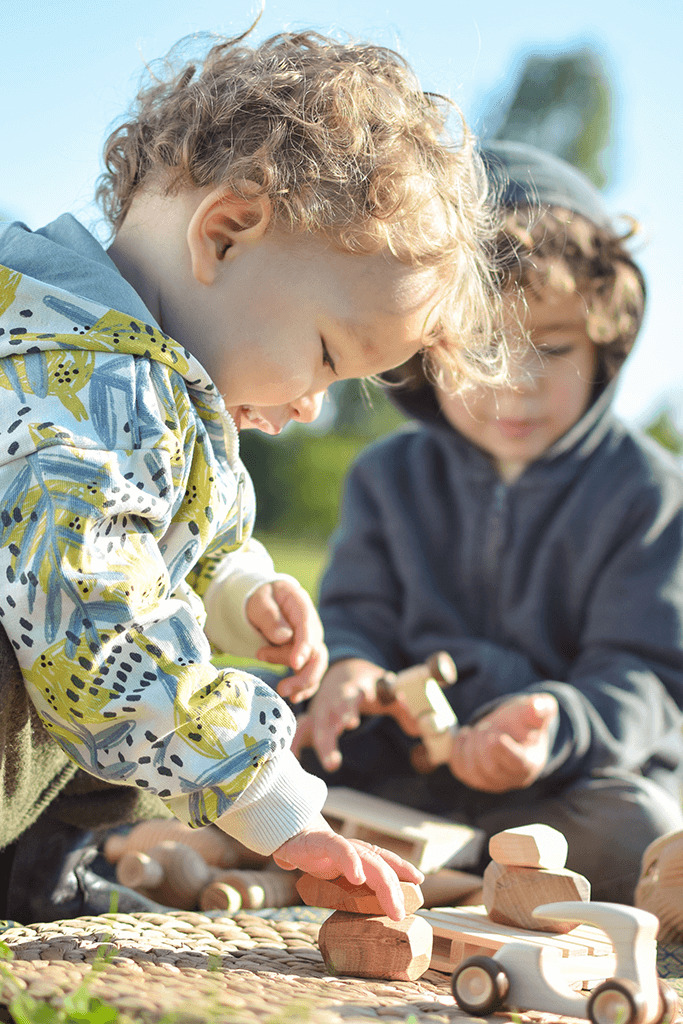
x=524 y=976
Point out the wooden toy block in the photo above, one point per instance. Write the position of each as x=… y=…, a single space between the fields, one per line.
x=375 y=946
x=449 y=888
x=218 y=849
x=340 y=894
x=420 y=689
x=465 y=931
x=219 y=896
x=427 y=841
x=511 y=894
x=172 y=874
x=529 y=846
x=256 y=889
x=524 y=976
x=660 y=886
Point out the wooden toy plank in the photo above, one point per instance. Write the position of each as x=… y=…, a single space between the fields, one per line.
x=584 y=938
x=460 y=932
x=427 y=841
x=448 y=888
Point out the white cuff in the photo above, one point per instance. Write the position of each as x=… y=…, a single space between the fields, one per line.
x=281 y=801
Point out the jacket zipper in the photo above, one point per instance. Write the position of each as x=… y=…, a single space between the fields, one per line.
x=239 y=532
x=492 y=550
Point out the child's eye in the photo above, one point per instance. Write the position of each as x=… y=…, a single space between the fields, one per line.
x=554 y=351
x=327 y=358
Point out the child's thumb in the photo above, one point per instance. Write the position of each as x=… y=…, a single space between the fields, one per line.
x=545 y=707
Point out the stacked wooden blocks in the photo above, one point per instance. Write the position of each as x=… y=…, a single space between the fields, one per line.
x=357 y=939
x=527 y=869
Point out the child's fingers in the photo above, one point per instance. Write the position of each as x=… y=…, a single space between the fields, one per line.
x=405 y=871
x=305 y=683
x=265 y=615
x=329 y=728
x=383 y=880
x=303 y=734
x=300 y=613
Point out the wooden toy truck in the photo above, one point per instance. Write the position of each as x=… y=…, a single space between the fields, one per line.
x=527 y=976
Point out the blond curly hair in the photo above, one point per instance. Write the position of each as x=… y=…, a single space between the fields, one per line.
x=342 y=141
x=564 y=251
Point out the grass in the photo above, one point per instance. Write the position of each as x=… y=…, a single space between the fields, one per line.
x=301 y=557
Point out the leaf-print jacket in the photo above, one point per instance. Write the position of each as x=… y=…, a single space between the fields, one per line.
x=122 y=492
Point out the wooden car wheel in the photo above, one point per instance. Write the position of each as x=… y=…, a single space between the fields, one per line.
x=480 y=985
x=668 y=1001
x=616 y=1001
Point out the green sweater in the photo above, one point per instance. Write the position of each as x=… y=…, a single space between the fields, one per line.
x=37 y=774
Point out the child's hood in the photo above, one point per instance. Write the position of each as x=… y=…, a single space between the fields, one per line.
x=59 y=290
x=518 y=175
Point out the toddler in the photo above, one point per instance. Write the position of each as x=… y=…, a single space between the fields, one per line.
x=530 y=534
x=283 y=216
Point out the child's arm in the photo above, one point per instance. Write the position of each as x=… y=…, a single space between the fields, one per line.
x=252 y=611
x=285 y=616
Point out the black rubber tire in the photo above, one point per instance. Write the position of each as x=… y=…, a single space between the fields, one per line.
x=495 y=986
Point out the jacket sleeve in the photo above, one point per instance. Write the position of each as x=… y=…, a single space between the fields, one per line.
x=116 y=662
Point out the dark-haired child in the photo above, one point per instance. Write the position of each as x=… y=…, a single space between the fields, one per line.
x=528 y=532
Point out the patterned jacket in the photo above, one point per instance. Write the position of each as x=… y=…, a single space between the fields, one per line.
x=122 y=493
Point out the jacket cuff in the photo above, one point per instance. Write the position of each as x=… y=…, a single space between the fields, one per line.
x=281 y=801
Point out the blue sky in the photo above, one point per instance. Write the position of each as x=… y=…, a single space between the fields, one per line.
x=70 y=67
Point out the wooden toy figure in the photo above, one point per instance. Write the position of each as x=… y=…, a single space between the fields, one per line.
x=420 y=687
x=524 y=975
x=171 y=873
x=218 y=849
x=660 y=887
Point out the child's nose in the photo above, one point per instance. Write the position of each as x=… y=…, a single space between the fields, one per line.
x=525 y=375
x=307 y=408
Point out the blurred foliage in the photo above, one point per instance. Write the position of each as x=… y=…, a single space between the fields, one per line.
x=664 y=431
x=561 y=103
x=299 y=475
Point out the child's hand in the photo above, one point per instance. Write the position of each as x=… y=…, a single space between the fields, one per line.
x=508 y=748
x=283 y=612
x=348 y=690
x=321 y=852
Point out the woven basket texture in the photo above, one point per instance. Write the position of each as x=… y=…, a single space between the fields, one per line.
x=238 y=970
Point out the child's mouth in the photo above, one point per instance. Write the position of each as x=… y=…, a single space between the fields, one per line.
x=516 y=428
x=249 y=419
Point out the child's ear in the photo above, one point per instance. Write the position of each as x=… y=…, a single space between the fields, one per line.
x=221 y=226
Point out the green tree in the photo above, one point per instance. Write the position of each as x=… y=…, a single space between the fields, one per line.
x=664 y=431
x=562 y=103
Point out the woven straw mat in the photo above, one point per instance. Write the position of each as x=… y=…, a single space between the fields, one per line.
x=209 y=969
x=195 y=968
